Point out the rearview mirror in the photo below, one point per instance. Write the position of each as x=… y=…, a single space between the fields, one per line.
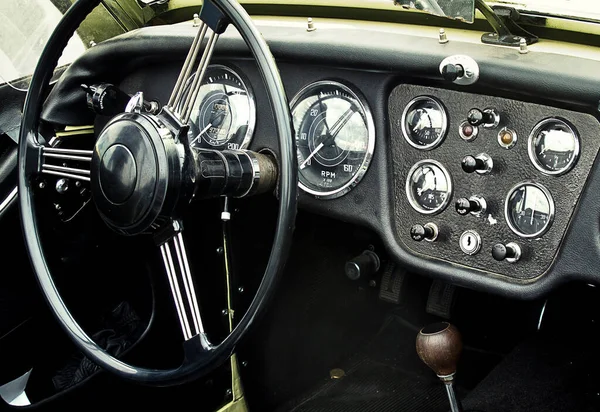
x=462 y=10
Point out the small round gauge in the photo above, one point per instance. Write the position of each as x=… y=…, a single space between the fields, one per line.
x=335 y=138
x=553 y=146
x=428 y=187
x=529 y=210
x=223 y=115
x=424 y=122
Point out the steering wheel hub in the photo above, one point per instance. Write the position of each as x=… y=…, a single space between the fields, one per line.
x=118 y=174
x=135 y=174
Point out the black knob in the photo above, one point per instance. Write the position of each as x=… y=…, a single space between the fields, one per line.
x=423 y=232
x=478 y=117
x=465 y=206
x=364 y=265
x=471 y=164
x=452 y=72
x=105 y=99
x=501 y=252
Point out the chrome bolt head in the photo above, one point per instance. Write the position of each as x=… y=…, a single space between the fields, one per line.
x=443 y=38
x=62 y=185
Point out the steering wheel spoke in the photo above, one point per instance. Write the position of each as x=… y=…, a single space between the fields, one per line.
x=213 y=23
x=56 y=154
x=181 y=282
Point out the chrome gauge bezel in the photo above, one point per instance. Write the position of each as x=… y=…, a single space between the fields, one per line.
x=370 y=123
x=551 y=212
x=250 y=94
x=415 y=205
x=531 y=149
x=444 y=131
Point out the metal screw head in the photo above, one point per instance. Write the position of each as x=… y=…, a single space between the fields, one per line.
x=244 y=363
x=57 y=206
x=443 y=38
x=224 y=312
x=42 y=185
x=241 y=289
x=228 y=392
x=220 y=250
x=62 y=185
x=78 y=184
x=372 y=283
x=92 y=43
x=310 y=25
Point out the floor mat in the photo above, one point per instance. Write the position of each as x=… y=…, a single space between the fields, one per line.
x=386 y=376
x=372 y=386
x=543 y=374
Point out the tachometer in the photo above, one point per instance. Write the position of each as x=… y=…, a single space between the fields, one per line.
x=428 y=187
x=424 y=122
x=335 y=137
x=224 y=113
x=553 y=146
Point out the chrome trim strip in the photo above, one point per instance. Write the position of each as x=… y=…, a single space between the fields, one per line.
x=11 y=196
x=188 y=282
x=66 y=169
x=174 y=284
x=186 y=69
x=63 y=174
x=202 y=66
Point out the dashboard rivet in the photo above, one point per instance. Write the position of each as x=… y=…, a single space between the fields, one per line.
x=310 y=25
x=443 y=38
x=523 y=49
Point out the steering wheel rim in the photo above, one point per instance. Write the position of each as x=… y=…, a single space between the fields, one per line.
x=198 y=361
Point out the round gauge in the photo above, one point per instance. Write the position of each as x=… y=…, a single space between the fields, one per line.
x=335 y=138
x=529 y=210
x=428 y=187
x=424 y=122
x=224 y=114
x=553 y=146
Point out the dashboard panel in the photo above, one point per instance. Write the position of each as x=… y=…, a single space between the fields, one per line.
x=511 y=167
x=525 y=89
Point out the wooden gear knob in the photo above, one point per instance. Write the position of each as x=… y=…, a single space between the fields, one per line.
x=439 y=346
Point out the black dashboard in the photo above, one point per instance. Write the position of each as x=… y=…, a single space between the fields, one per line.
x=502 y=198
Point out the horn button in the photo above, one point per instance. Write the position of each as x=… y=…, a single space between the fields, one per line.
x=135 y=174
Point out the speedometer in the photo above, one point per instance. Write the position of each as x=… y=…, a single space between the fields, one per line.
x=335 y=138
x=223 y=115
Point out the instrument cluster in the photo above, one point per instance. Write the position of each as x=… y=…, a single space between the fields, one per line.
x=485 y=180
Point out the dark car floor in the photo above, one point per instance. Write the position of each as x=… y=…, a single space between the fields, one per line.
x=321 y=321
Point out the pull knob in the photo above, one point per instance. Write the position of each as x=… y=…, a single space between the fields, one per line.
x=474 y=205
x=428 y=231
x=364 y=265
x=486 y=117
x=481 y=164
x=511 y=252
x=451 y=72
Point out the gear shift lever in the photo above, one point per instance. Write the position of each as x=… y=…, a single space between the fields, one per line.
x=439 y=346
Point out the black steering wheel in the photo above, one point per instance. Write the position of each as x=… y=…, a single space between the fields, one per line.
x=143 y=173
